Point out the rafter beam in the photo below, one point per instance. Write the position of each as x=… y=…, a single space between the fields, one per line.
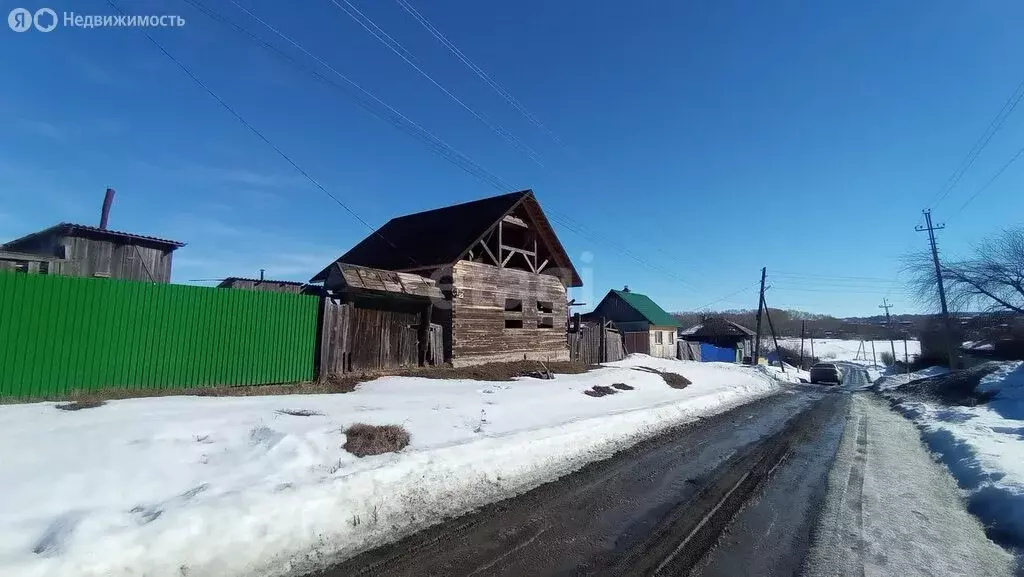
x=507 y=258
x=490 y=254
x=542 y=265
x=519 y=250
x=515 y=220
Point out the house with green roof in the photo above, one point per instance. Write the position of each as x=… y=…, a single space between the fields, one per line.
x=645 y=326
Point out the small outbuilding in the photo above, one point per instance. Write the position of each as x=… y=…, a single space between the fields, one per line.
x=718 y=339
x=645 y=326
x=260 y=284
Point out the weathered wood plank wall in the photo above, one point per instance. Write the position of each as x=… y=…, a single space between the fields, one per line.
x=479 y=332
x=366 y=339
x=637 y=342
x=89 y=257
x=585 y=345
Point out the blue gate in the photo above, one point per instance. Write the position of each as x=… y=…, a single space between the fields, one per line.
x=710 y=353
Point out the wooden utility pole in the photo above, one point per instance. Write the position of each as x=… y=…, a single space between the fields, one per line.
x=942 y=289
x=888 y=322
x=760 y=307
x=874 y=359
x=812 y=347
x=906 y=357
x=775 y=338
x=803 y=329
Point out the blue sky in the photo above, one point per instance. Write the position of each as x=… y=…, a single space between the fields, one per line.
x=708 y=139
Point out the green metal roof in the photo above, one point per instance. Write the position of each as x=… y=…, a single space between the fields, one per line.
x=648 y=308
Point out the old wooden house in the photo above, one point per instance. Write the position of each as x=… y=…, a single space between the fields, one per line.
x=500 y=268
x=645 y=326
x=81 y=250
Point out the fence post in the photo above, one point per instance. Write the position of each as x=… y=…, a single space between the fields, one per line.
x=424 y=332
x=602 y=354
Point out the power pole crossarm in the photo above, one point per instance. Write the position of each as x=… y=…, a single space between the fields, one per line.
x=888 y=323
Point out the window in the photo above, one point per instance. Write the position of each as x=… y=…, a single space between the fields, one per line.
x=658 y=337
x=545 y=307
x=671 y=337
x=513 y=306
x=513 y=323
x=546 y=323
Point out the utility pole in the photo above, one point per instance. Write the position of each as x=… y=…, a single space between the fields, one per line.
x=775 y=338
x=803 y=330
x=942 y=289
x=874 y=359
x=888 y=322
x=760 y=308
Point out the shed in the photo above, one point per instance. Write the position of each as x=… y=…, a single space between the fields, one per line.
x=29 y=263
x=98 y=252
x=259 y=284
x=720 y=339
x=645 y=326
x=501 y=269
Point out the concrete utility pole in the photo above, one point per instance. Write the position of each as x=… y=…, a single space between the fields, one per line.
x=942 y=289
x=760 y=309
x=888 y=322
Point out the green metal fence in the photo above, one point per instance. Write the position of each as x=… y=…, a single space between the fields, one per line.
x=59 y=334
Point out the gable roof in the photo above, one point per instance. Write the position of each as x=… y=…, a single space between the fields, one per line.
x=648 y=308
x=71 y=229
x=230 y=281
x=441 y=236
x=717 y=327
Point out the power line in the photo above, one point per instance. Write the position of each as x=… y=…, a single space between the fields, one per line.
x=972 y=155
x=518 y=106
x=363 y=97
x=730 y=295
x=397 y=119
x=370 y=26
x=985 y=186
x=257 y=132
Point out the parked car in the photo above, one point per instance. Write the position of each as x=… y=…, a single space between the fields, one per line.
x=826 y=373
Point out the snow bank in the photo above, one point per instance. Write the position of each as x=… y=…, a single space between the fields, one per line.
x=791 y=375
x=224 y=487
x=894 y=381
x=983 y=446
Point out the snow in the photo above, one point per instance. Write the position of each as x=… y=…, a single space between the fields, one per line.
x=983 y=446
x=891 y=510
x=791 y=375
x=847 y=350
x=221 y=487
x=894 y=381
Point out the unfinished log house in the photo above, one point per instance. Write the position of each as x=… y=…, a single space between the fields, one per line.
x=502 y=271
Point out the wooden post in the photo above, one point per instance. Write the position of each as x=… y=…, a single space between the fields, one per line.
x=760 y=307
x=501 y=260
x=602 y=355
x=812 y=347
x=906 y=357
x=803 y=329
x=424 y=332
x=874 y=360
x=775 y=338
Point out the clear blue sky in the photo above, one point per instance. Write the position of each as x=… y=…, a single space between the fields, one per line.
x=709 y=138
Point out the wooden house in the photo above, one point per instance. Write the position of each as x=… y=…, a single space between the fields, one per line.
x=261 y=284
x=90 y=251
x=500 y=268
x=718 y=339
x=645 y=326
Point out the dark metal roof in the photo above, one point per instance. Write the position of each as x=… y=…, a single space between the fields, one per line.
x=441 y=236
x=227 y=282
x=713 y=327
x=71 y=229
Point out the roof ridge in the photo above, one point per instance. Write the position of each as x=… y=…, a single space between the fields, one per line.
x=523 y=192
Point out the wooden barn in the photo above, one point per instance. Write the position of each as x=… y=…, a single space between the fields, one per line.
x=500 y=268
x=82 y=250
x=645 y=326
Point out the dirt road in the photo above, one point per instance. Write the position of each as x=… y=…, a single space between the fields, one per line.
x=741 y=493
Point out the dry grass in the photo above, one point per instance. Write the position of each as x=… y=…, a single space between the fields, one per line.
x=79 y=405
x=330 y=384
x=299 y=412
x=623 y=386
x=362 y=439
x=497 y=371
x=674 y=380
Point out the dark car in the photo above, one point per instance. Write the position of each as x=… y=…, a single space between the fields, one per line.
x=826 y=373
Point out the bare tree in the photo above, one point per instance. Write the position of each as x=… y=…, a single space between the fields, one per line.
x=991 y=279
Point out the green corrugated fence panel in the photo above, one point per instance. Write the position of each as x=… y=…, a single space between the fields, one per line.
x=59 y=334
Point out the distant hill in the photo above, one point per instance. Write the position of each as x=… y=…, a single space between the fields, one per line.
x=787 y=323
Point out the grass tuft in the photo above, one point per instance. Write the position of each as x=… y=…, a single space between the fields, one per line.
x=674 y=380
x=362 y=440
x=79 y=405
x=623 y=386
x=299 y=412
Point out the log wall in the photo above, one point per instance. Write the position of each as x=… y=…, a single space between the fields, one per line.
x=478 y=315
